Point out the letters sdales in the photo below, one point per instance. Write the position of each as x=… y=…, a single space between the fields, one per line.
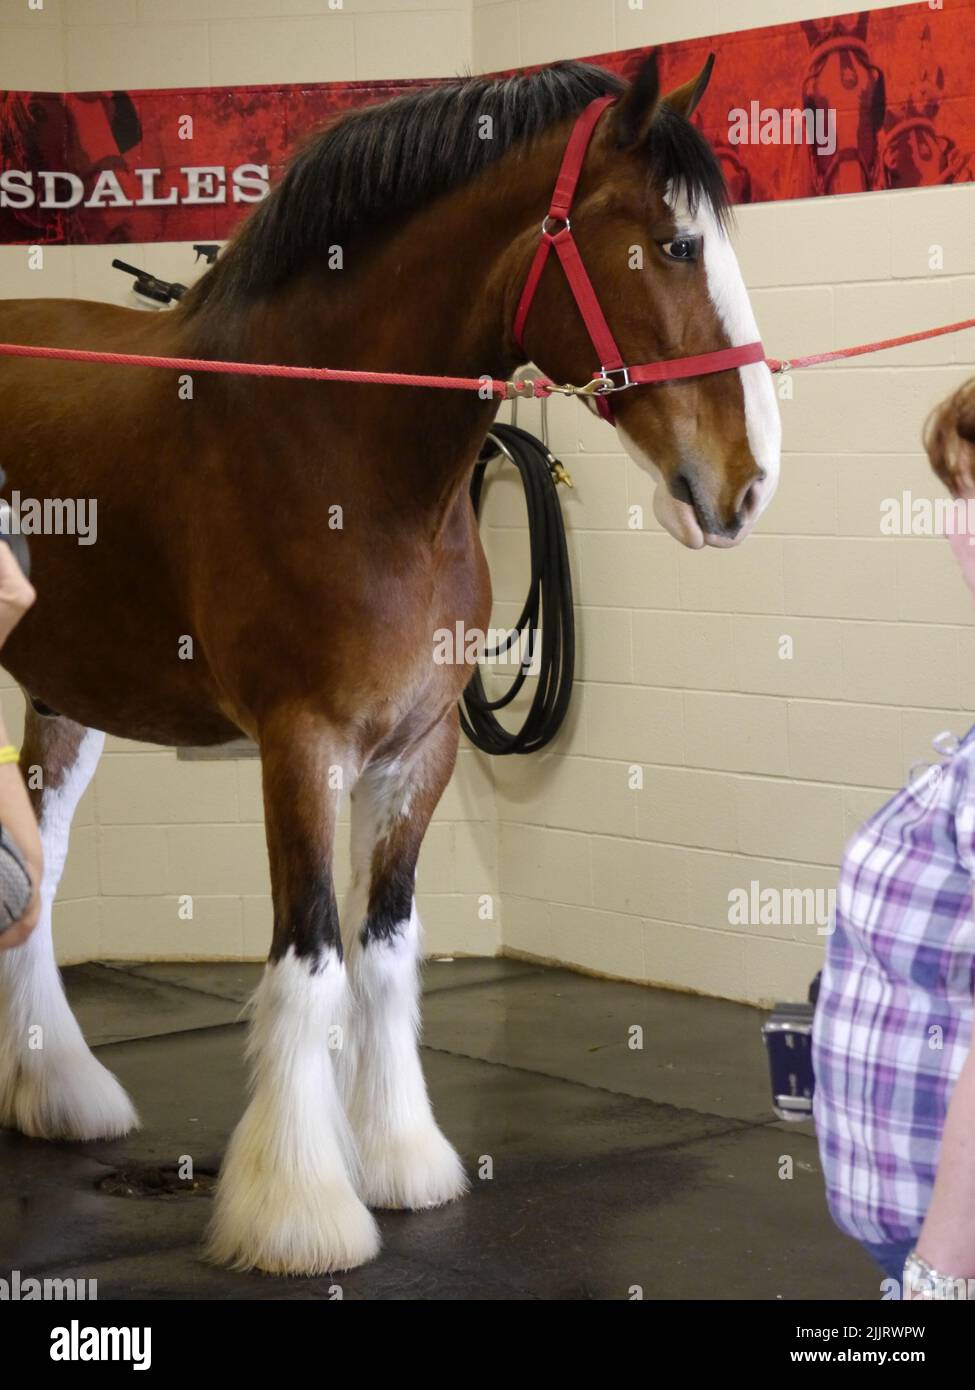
x=203 y=183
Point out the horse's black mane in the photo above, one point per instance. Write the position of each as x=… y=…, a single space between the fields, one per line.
x=380 y=161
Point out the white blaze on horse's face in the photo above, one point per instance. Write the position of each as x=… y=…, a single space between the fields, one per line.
x=763 y=426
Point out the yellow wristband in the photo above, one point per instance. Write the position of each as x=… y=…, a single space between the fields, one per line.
x=8 y=754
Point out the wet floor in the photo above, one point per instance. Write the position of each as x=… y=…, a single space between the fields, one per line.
x=600 y=1169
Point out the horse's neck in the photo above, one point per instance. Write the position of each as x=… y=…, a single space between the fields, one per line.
x=434 y=297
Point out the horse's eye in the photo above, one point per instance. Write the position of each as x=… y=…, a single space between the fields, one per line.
x=682 y=248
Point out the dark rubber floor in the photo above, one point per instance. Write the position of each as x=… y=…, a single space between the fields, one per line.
x=612 y=1168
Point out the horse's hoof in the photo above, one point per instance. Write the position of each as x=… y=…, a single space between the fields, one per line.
x=67 y=1095
x=411 y=1171
x=290 y=1227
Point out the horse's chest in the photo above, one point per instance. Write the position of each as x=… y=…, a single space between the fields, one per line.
x=425 y=639
x=446 y=631
x=452 y=584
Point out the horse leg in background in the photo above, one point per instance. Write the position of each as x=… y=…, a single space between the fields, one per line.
x=285 y=1200
x=404 y=1159
x=51 y=1085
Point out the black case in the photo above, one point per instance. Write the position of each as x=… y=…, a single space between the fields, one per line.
x=788 y=1039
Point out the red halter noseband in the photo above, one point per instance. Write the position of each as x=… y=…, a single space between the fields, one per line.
x=613 y=372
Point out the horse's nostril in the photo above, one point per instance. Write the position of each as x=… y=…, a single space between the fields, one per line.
x=681 y=490
x=751 y=498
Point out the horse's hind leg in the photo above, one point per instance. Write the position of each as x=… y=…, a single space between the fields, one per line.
x=51 y=1086
x=405 y=1160
x=285 y=1201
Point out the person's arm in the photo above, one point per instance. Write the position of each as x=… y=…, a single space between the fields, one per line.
x=947 y=1239
x=16 y=813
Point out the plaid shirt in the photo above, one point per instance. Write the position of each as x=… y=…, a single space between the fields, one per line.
x=894 y=1019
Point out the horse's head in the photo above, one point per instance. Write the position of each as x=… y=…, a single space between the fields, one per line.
x=649 y=217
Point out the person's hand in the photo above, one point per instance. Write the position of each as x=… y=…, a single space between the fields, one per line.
x=16 y=593
x=20 y=931
x=16 y=813
x=949 y=437
x=18 y=819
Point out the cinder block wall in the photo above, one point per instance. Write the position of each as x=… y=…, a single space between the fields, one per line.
x=755 y=768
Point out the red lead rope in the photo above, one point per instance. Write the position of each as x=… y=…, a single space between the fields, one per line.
x=838 y=354
x=202 y=364
x=488 y=386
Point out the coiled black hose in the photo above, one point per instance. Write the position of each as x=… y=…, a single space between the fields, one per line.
x=547 y=610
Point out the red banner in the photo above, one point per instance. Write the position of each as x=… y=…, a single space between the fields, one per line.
x=877 y=100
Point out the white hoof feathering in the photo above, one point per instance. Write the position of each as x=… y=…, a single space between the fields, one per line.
x=404 y=1160
x=285 y=1201
x=64 y=1095
x=411 y=1170
x=51 y=1085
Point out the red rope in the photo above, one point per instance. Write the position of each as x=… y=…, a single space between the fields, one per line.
x=203 y=364
x=504 y=389
x=837 y=355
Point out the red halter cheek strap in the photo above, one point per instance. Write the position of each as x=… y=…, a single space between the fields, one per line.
x=613 y=372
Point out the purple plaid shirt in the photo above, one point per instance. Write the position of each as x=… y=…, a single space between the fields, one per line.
x=894 y=1020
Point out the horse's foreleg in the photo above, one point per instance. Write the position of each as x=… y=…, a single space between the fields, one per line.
x=405 y=1160
x=51 y=1086
x=285 y=1200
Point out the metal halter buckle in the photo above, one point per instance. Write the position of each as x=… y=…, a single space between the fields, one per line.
x=605 y=377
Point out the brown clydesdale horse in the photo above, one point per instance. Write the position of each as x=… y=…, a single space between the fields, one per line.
x=275 y=557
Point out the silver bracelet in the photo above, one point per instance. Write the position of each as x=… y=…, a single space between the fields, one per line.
x=923 y=1282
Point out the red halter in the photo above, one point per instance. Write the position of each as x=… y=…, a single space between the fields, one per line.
x=612 y=371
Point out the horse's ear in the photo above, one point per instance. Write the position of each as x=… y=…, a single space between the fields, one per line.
x=685 y=99
x=634 y=111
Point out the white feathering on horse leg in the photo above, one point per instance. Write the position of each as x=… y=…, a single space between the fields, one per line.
x=51 y=1084
x=285 y=1201
x=405 y=1160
